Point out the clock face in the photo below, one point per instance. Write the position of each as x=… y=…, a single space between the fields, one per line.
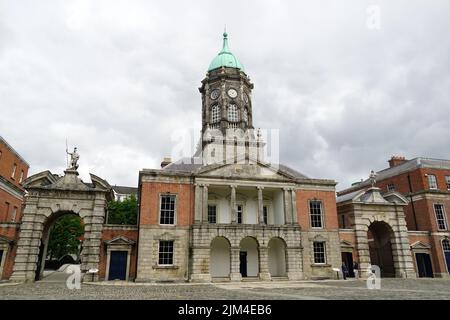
x=245 y=98
x=215 y=94
x=232 y=93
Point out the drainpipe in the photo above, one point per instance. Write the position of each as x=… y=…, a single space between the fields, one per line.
x=412 y=203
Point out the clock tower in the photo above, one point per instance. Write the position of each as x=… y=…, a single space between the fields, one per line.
x=227 y=120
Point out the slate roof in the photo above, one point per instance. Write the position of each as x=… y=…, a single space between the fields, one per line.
x=407 y=166
x=190 y=165
x=125 y=190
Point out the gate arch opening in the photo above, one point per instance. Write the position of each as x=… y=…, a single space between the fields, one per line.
x=277 y=257
x=380 y=236
x=220 y=258
x=249 y=257
x=61 y=242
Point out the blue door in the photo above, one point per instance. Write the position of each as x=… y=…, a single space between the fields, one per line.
x=447 y=259
x=118 y=265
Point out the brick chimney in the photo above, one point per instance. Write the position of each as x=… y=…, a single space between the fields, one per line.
x=396 y=160
x=166 y=161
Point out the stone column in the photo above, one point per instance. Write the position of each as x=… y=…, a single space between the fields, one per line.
x=362 y=246
x=200 y=265
x=30 y=235
x=205 y=204
x=264 y=273
x=198 y=203
x=235 y=274
x=260 y=205
x=90 y=254
x=233 y=204
x=403 y=261
x=294 y=207
x=287 y=207
x=294 y=267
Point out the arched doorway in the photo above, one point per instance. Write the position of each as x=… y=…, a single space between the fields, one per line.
x=277 y=257
x=379 y=237
x=60 y=245
x=219 y=265
x=249 y=257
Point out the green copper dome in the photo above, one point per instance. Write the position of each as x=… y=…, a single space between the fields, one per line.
x=225 y=58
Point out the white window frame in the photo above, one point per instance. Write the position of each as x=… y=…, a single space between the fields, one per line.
x=447 y=181
x=391 y=187
x=13 y=173
x=159 y=252
x=444 y=216
x=270 y=214
x=174 y=211
x=324 y=253
x=213 y=203
x=435 y=186
x=322 y=214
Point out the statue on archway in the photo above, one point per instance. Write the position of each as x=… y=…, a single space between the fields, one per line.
x=372 y=178
x=74 y=157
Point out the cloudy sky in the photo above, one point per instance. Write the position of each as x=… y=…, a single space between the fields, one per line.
x=116 y=78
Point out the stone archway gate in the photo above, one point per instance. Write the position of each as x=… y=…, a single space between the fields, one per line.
x=48 y=195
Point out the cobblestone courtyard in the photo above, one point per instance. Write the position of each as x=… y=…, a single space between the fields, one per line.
x=350 y=289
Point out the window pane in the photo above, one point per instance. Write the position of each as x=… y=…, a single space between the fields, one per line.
x=315 y=211
x=432 y=181
x=233 y=115
x=265 y=214
x=319 y=252
x=239 y=213
x=165 y=252
x=167 y=214
x=440 y=216
x=447 y=180
x=215 y=114
x=446 y=245
x=212 y=213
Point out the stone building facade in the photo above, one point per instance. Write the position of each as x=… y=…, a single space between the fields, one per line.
x=424 y=185
x=226 y=213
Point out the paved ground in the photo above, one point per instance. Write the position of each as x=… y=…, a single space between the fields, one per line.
x=53 y=288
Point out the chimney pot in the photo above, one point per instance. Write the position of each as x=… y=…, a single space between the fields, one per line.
x=396 y=160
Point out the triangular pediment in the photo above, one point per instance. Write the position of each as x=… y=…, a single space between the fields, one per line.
x=420 y=245
x=40 y=179
x=120 y=240
x=250 y=170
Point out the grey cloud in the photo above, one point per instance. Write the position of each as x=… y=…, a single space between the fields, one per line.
x=117 y=78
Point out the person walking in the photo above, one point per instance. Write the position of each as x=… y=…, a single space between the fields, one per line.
x=356 y=269
x=344 y=271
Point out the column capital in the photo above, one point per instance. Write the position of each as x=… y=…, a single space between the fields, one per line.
x=233 y=186
x=260 y=187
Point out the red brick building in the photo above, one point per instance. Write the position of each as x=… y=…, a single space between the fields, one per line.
x=13 y=171
x=425 y=183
